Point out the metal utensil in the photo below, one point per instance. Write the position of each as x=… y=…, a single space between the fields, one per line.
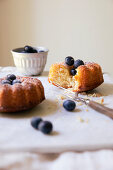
x=94 y=105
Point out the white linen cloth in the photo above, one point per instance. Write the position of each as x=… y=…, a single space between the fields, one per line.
x=96 y=160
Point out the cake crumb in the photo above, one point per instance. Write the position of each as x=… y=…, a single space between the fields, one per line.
x=80 y=119
x=79 y=104
x=61 y=97
x=90 y=94
x=95 y=95
x=101 y=101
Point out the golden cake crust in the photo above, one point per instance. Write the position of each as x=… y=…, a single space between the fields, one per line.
x=88 y=77
x=21 y=96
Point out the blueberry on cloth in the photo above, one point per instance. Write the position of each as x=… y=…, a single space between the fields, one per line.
x=69 y=105
x=45 y=127
x=35 y=122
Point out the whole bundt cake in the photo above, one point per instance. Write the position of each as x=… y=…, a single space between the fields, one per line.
x=20 y=93
x=77 y=75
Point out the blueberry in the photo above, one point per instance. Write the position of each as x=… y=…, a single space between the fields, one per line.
x=11 y=77
x=34 y=51
x=28 y=49
x=16 y=81
x=78 y=63
x=69 y=105
x=35 y=122
x=6 y=82
x=69 y=60
x=73 y=72
x=45 y=127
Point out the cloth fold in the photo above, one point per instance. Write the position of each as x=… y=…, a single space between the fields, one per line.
x=97 y=160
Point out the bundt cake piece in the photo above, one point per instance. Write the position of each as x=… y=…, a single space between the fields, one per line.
x=77 y=75
x=20 y=93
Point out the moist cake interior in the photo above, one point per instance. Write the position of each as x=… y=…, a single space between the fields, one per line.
x=62 y=77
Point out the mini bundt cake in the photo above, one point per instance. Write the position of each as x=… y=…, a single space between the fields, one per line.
x=20 y=93
x=77 y=75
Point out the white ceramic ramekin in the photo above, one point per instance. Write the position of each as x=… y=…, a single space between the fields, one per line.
x=30 y=63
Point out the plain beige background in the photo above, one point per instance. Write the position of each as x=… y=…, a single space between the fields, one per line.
x=81 y=28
